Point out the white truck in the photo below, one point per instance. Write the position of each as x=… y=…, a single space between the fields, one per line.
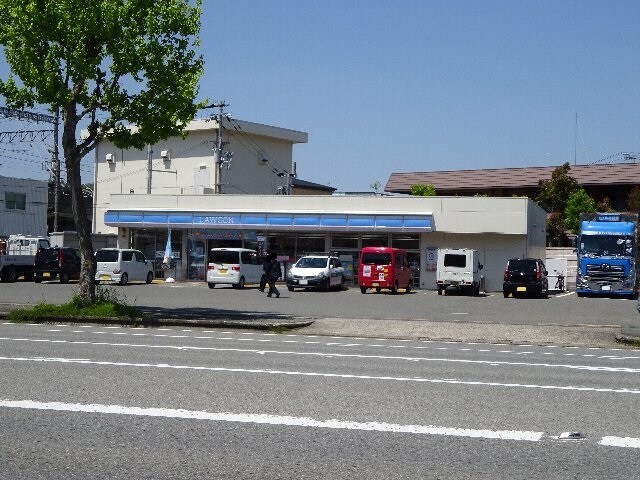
x=17 y=255
x=459 y=269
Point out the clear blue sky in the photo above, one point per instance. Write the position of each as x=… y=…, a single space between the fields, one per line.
x=420 y=85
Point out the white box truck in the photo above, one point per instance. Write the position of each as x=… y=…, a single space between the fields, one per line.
x=459 y=269
x=17 y=255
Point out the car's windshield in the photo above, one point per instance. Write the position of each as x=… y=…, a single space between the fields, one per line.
x=312 y=262
x=606 y=245
x=375 y=258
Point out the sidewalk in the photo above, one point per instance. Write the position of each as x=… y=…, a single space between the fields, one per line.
x=470 y=332
x=577 y=335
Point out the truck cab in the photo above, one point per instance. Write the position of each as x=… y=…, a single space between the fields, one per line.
x=607 y=255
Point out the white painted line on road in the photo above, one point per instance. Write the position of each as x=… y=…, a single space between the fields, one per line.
x=629 y=442
x=560 y=295
x=320 y=374
x=593 y=368
x=266 y=419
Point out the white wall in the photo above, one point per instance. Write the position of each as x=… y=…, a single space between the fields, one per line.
x=493 y=249
x=32 y=220
x=189 y=167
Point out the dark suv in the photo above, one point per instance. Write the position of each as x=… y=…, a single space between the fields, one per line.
x=525 y=276
x=61 y=262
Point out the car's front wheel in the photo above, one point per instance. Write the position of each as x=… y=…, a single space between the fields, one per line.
x=149 y=277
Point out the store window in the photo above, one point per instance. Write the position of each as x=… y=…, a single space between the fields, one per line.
x=341 y=241
x=408 y=242
x=196 y=260
x=375 y=240
x=310 y=243
x=153 y=245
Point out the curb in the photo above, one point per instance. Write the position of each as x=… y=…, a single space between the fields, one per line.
x=628 y=340
x=256 y=323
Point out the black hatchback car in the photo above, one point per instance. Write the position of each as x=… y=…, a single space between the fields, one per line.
x=61 y=262
x=525 y=276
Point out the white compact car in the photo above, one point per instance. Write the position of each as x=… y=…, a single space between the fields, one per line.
x=122 y=265
x=323 y=271
x=233 y=266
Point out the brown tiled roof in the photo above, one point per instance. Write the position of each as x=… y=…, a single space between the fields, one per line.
x=514 y=178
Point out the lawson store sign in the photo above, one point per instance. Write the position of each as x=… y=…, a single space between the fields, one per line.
x=271 y=221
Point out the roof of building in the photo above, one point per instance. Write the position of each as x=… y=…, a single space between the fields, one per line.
x=514 y=178
x=297 y=182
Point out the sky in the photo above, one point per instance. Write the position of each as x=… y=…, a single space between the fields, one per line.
x=424 y=85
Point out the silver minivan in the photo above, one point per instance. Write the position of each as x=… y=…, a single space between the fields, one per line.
x=122 y=265
x=233 y=266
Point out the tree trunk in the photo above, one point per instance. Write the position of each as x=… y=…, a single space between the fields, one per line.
x=86 y=284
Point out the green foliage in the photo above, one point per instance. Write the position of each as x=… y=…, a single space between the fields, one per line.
x=633 y=200
x=422 y=190
x=110 y=62
x=555 y=192
x=556 y=236
x=604 y=205
x=579 y=202
x=107 y=305
x=124 y=70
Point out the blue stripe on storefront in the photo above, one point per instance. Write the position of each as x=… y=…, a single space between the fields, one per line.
x=346 y=222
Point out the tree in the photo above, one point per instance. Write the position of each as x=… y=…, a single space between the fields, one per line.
x=553 y=197
x=125 y=69
x=422 y=190
x=555 y=192
x=633 y=200
x=604 y=205
x=579 y=202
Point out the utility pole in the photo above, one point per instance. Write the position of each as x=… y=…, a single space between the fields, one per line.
x=217 y=150
x=56 y=171
x=149 y=168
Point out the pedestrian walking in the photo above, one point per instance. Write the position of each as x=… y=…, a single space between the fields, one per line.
x=274 y=272
x=263 y=278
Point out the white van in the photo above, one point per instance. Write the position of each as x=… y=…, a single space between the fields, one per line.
x=458 y=268
x=233 y=266
x=122 y=265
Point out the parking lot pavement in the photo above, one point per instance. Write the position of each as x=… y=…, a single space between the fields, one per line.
x=560 y=319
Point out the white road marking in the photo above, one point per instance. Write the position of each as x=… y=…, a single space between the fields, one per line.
x=319 y=374
x=620 y=442
x=342 y=355
x=266 y=419
x=254 y=335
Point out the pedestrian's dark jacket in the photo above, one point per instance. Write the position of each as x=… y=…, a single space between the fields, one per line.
x=273 y=270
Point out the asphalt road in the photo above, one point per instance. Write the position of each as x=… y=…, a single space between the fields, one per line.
x=86 y=401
